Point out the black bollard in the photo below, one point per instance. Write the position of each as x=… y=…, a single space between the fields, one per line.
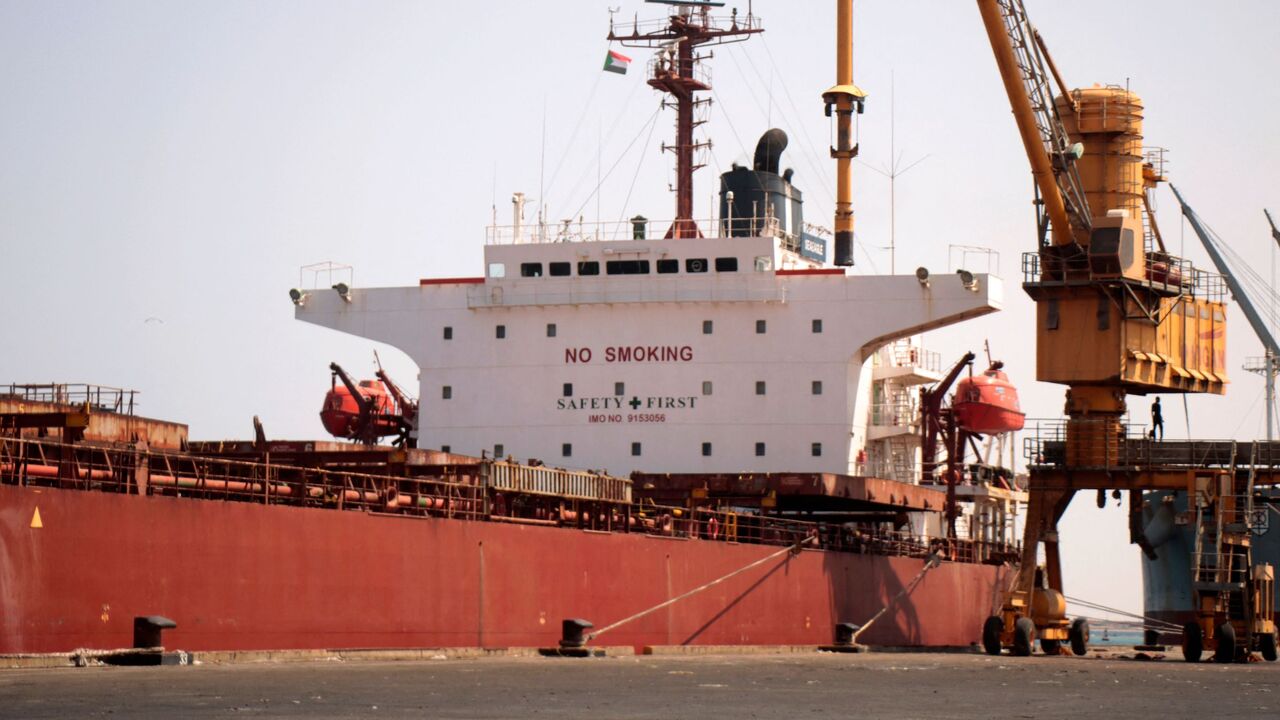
x=147 y=630
x=844 y=633
x=843 y=642
x=573 y=633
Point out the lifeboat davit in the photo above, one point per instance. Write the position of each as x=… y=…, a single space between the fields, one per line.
x=987 y=404
x=341 y=412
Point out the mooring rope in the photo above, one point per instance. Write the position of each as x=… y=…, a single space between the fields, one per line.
x=789 y=549
x=1153 y=622
x=933 y=562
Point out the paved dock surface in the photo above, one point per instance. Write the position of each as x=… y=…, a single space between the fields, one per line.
x=890 y=685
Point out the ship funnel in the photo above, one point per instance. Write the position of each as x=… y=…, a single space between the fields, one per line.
x=760 y=202
x=769 y=151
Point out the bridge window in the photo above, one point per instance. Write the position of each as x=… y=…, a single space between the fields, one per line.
x=568 y=389
x=668 y=266
x=500 y=332
x=627 y=267
x=446 y=392
x=706 y=449
x=707 y=326
x=816 y=449
x=497 y=270
x=566 y=449
x=727 y=264
x=498 y=451
x=706 y=387
x=551 y=329
x=761 y=326
x=817 y=387
x=759 y=449
x=445 y=449
x=619 y=388
x=695 y=265
x=589 y=267
x=530 y=269
x=635 y=449
x=448 y=333
x=759 y=387
x=558 y=269
x=817 y=325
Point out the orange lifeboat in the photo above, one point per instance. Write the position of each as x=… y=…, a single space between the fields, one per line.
x=987 y=404
x=342 y=417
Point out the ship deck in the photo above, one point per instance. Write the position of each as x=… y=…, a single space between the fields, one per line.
x=777 y=509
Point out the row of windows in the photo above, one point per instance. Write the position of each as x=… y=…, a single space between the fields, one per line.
x=815 y=388
x=708 y=328
x=666 y=266
x=566 y=449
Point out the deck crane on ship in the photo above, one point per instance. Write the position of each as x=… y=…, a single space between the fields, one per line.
x=1116 y=315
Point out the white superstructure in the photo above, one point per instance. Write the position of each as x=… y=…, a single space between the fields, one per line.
x=693 y=355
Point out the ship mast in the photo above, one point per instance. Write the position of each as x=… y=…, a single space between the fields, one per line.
x=846 y=98
x=675 y=70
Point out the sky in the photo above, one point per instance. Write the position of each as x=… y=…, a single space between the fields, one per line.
x=166 y=169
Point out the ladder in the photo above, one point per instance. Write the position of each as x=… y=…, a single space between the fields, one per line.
x=1053 y=133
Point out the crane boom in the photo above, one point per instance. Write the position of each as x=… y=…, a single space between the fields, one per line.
x=1246 y=304
x=1044 y=137
x=1275 y=232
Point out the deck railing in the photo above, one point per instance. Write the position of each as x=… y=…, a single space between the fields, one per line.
x=483 y=491
x=98 y=397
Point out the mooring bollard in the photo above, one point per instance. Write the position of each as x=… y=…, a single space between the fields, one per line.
x=148 y=628
x=573 y=633
x=844 y=639
x=844 y=633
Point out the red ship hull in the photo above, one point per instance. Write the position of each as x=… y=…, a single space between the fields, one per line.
x=237 y=575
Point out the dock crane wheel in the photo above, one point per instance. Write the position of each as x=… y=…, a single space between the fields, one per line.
x=1192 y=642
x=1267 y=646
x=1024 y=636
x=1226 y=650
x=992 y=629
x=1079 y=636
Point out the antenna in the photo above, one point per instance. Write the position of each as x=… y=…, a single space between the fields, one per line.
x=542 y=164
x=892 y=171
x=675 y=70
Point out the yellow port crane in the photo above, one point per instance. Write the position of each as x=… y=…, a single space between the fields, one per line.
x=1116 y=315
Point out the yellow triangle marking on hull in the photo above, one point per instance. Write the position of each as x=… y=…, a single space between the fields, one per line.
x=36 y=522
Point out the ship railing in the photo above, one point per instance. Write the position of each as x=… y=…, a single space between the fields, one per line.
x=904 y=354
x=624 y=32
x=638 y=228
x=895 y=413
x=721 y=525
x=85 y=466
x=663 y=67
x=512 y=477
x=97 y=397
x=729 y=526
x=463 y=491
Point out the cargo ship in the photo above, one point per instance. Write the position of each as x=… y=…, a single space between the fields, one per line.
x=750 y=413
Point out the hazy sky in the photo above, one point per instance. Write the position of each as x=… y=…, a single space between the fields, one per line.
x=166 y=167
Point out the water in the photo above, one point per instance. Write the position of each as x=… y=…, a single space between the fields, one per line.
x=1123 y=638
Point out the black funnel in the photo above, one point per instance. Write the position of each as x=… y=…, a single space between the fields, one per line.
x=769 y=150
